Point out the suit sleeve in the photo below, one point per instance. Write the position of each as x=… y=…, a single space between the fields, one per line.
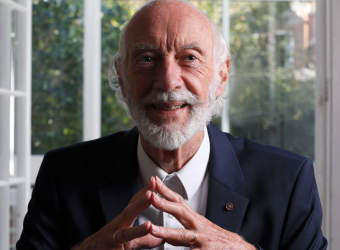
x=302 y=227
x=43 y=226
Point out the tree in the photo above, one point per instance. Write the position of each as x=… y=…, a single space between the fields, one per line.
x=272 y=93
x=57 y=59
x=272 y=81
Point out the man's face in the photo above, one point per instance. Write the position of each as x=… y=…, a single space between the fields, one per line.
x=170 y=52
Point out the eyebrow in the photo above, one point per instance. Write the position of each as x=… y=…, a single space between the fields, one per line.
x=194 y=46
x=142 y=47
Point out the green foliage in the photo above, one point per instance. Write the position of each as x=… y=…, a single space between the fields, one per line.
x=115 y=16
x=57 y=75
x=212 y=9
x=272 y=86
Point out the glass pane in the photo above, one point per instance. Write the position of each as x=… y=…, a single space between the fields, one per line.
x=13 y=216
x=213 y=9
x=23 y=2
x=17 y=138
x=5 y=26
x=14 y=49
x=11 y=166
x=273 y=73
x=115 y=15
x=4 y=218
x=57 y=74
x=12 y=130
x=4 y=120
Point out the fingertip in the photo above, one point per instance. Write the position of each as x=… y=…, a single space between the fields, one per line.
x=155 y=197
x=153 y=184
x=148 y=225
x=158 y=180
x=159 y=185
x=148 y=195
x=155 y=200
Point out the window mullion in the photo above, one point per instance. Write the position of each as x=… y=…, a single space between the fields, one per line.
x=225 y=122
x=92 y=70
x=5 y=30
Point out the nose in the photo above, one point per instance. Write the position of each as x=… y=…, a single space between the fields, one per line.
x=168 y=76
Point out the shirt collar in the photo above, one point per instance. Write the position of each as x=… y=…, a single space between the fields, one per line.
x=192 y=173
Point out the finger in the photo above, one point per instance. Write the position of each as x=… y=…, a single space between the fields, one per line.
x=130 y=213
x=138 y=237
x=169 y=195
x=185 y=237
x=147 y=242
x=183 y=213
x=137 y=205
x=130 y=233
x=175 y=236
x=151 y=185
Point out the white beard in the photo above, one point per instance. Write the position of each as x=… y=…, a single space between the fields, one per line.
x=170 y=135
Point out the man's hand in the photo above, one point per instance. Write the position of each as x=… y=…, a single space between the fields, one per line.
x=128 y=237
x=209 y=235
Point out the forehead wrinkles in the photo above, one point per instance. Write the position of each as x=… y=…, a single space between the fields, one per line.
x=175 y=36
x=169 y=26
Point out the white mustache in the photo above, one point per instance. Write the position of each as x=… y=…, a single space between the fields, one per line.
x=159 y=96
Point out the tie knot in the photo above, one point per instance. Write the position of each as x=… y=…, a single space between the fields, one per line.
x=174 y=183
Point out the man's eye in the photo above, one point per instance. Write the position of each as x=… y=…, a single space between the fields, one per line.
x=146 y=59
x=190 y=57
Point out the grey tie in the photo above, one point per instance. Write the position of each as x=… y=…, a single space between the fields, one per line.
x=173 y=182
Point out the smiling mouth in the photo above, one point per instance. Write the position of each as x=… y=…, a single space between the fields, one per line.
x=167 y=108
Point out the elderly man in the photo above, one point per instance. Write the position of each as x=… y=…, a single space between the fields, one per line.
x=173 y=182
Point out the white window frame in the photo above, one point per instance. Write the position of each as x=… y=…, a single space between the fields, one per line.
x=92 y=70
x=22 y=116
x=327 y=117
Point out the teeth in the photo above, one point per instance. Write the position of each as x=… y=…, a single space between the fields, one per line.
x=169 y=108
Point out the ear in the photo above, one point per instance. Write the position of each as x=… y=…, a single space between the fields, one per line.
x=224 y=74
x=120 y=80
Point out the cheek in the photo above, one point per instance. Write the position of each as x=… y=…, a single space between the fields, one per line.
x=139 y=86
x=198 y=84
x=206 y=93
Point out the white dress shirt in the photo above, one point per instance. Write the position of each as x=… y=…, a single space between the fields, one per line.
x=191 y=181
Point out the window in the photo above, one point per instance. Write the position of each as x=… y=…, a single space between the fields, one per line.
x=15 y=90
x=271 y=86
x=273 y=73
x=57 y=74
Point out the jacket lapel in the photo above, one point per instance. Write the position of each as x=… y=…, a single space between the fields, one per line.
x=120 y=166
x=115 y=197
x=225 y=175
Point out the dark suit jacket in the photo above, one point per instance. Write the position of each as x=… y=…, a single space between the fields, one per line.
x=82 y=187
